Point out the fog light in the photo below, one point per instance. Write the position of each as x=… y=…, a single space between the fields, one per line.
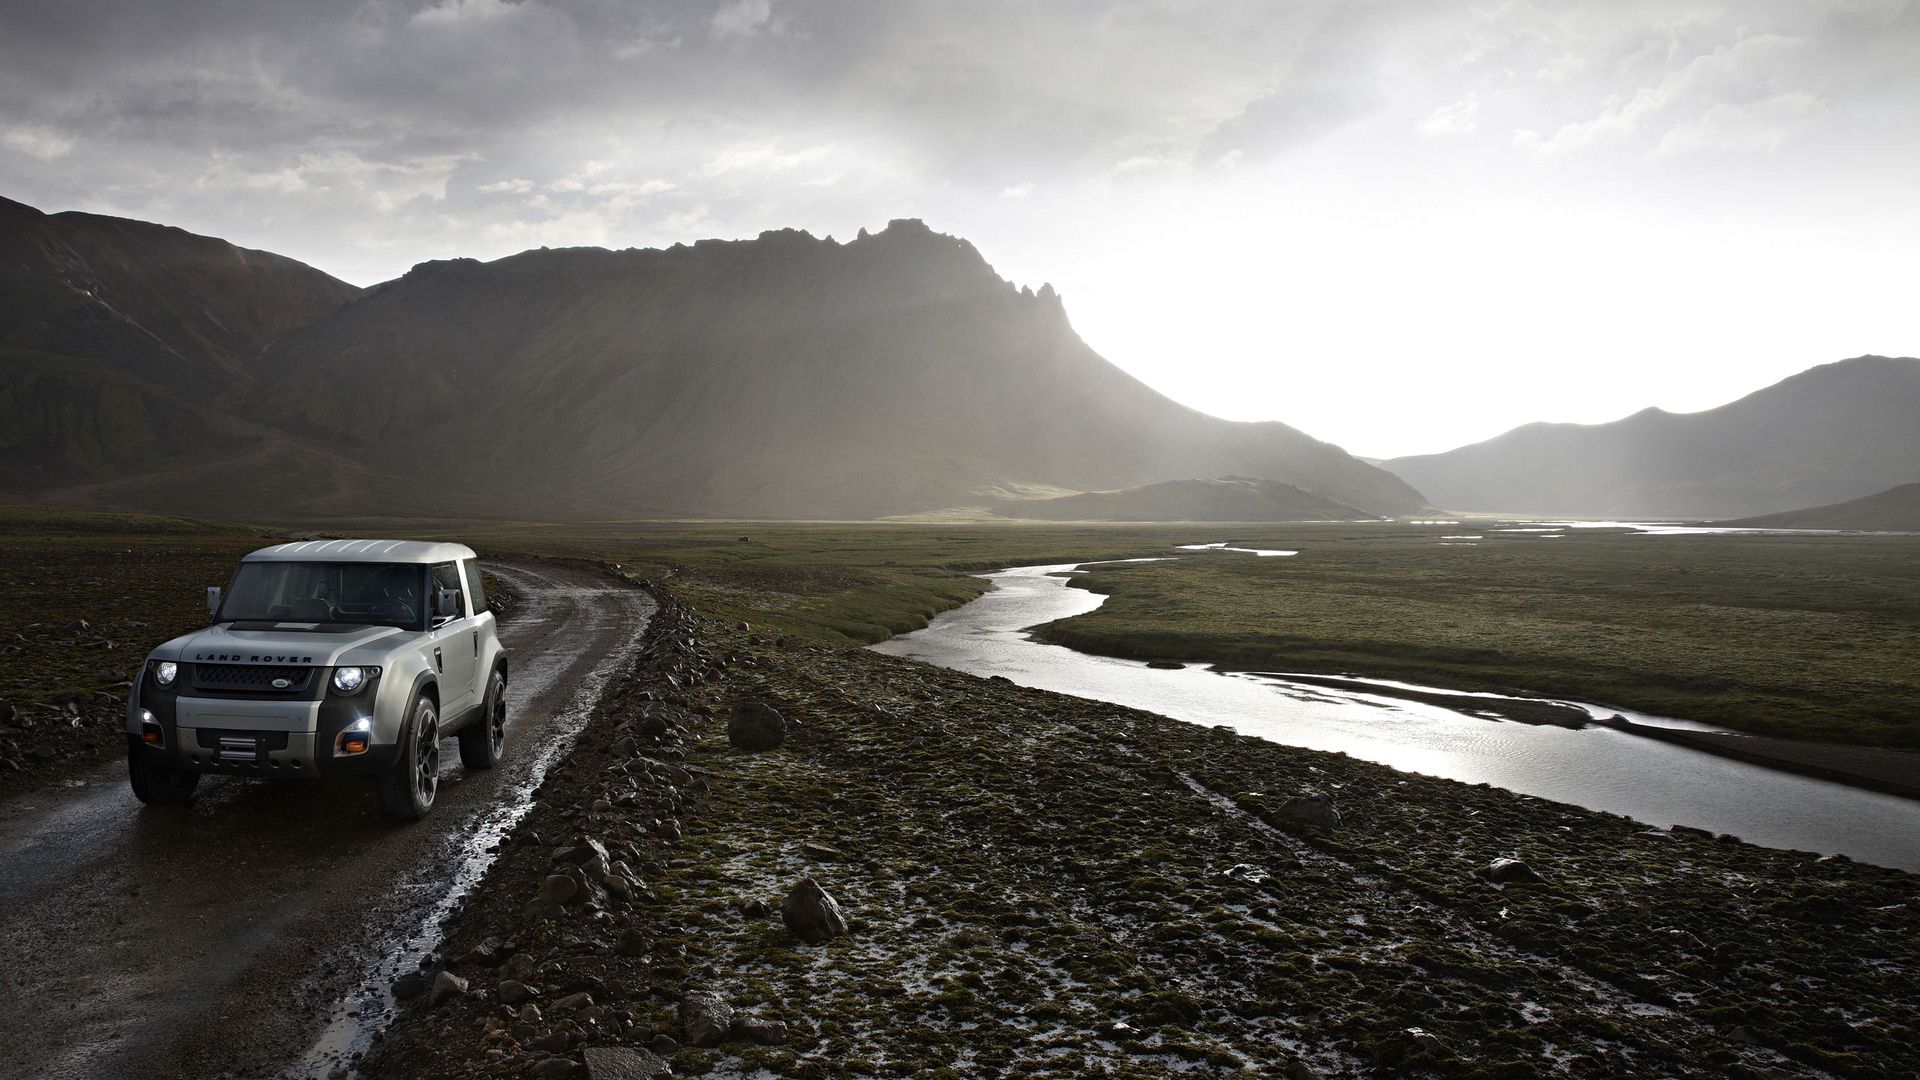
x=356 y=739
x=150 y=732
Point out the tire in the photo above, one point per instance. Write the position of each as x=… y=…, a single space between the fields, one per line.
x=157 y=785
x=406 y=793
x=482 y=740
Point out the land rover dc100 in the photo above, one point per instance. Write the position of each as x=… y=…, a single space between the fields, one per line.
x=327 y=658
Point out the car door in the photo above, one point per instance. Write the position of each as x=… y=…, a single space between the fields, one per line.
x=453 y=646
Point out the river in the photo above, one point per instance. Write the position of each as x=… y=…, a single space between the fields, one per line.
x=1594 y=767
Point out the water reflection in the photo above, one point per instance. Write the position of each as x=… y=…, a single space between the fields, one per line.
x=1594 y=767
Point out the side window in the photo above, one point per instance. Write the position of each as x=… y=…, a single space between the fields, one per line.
x=476 y=588
x=446 y=575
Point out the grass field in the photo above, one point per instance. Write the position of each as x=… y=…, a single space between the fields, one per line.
x=1813 y=637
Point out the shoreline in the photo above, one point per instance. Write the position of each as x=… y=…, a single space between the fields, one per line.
x=1896 y=772
x=1041 y=885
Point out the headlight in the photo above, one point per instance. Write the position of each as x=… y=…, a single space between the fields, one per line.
x=165 y=672
x=349 y=680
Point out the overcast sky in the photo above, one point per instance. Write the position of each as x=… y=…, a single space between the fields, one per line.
x=1399 y=226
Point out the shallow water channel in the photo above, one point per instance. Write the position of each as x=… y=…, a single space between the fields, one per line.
x=1595 y=767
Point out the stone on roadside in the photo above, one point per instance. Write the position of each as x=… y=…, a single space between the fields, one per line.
x=446 y=985
x=1314 y=808
x=705 y=1018
x=756 y=726
x=812 y=915
x=513 y=992
x=625 y=1063
x=571 y=1002
x=558 y=889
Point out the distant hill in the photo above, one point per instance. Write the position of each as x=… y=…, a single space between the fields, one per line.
x=1893 y=510
x=118 y=340
x=786 y=376
x=1233 y=498
x=1833 y=433
x=782 y=377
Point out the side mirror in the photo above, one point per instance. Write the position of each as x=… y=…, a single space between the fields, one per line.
x=446 y=603
x=213 y=599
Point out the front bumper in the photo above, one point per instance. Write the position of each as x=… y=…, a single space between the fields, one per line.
x=249 y=737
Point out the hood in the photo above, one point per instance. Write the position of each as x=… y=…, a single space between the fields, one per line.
x=272 y=643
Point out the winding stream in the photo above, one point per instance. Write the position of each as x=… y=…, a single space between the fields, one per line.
x=1594 y=767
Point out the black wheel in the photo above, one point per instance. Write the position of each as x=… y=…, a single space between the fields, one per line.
x=480 y=741
x=407 y=791
x=157 y=785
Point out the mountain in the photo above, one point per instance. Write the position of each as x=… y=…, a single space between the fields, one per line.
x=118 y=338
x=1833 y=433
x=1232 y=498
x=1893 y=510
x=786 y=376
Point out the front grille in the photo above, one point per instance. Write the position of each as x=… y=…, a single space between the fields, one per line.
x=252 y=678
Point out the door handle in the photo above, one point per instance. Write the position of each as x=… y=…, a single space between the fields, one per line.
x=437 y=664
x=476 y=643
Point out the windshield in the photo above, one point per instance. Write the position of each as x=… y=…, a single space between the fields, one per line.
x=362 y=593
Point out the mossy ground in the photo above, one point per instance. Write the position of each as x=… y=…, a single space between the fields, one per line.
x=1024 y=871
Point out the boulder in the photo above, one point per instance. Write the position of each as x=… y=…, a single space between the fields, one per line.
x=558 y=889
x=1510 y=870
x=1314 y=808
x=812 y=915
x=571 y=1002
x=514 y=992
x=764 y=1032
x=705 y=1018
x=446 y=985
x=756 y=726
x=624 y=1063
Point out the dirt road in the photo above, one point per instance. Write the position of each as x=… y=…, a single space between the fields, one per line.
x=257 y=932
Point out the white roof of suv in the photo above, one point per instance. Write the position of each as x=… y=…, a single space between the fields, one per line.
x=386 y=551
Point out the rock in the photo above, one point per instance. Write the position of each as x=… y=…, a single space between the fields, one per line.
x=756 y=726
x=573 y=1001
x=1300 y=1070
x=756 y=909
x=1426 y=1040
x=625 y=1063
x=812 y=915
x=79 y=626
x=590 y=857
x=1510 y=870
x=528 y=1014
x=632 y=943
x=822 y=851
x=520 y=967
x=485 y=954
x=409 y=986
x=664 y=1044
x=705 y=1018
x=1314 y=808
x=1120 y=1029
x=108 y=675
x=1166 y=665
x=446 y=985
x=553 y=1042
x=554 y=1069
x=6 y=712
x=764 y=1032
x=558 y=889
x=513 y=992
x=624 y=747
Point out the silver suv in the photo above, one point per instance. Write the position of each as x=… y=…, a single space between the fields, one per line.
x=327 y=658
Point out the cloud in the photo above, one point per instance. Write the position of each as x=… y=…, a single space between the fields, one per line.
x=37 y=142
x=1017 y=191
x=1752 y=127
x=761 y=157
x=1732 y=77
x=507 y=187
x=1454 y=119
x=450 y=12
x=743 y=18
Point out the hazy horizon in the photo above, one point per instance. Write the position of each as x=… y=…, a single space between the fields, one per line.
x=1398 y=227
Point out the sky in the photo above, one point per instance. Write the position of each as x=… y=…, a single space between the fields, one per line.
x=1400 y=226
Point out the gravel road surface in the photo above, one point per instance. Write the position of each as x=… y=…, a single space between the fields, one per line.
x=256 y=932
